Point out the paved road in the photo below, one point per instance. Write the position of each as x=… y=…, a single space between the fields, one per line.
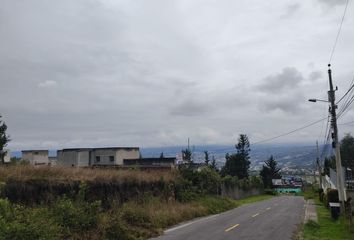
x=275 y=219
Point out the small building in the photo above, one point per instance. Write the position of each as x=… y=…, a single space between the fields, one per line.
x=52 y=161
x=84 y=157
x=36 y=157
x=7 y=157
x=162 y=162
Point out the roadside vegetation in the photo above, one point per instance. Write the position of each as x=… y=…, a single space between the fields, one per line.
x=84 y=203
x=326 y=228
x=70 y=203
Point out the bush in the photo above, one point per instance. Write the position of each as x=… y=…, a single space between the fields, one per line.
x=186 y=195
x=270 y=192
x=116 y=230
x=135 y=215
x=207 y=181
x=76 y=216
x=17 y=222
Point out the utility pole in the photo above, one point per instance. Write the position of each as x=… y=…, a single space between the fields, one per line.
x=340 y=178
x=319 y=165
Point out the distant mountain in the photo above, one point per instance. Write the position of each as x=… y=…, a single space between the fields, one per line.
x=287 y=155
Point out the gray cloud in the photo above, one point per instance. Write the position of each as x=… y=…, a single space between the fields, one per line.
x=315 y=75
x=191 y=107
x=291 y=9
x=92 y=72
x=285 y=104
x=332 y=2
x=289 y=78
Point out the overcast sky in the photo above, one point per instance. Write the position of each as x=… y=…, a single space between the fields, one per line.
x=146 y=73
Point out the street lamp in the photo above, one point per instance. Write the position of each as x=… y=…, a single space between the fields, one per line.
x=340 y=178
x=317 y=100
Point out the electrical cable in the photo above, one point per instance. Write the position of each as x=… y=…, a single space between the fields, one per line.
x=339 y=31
x=288 y=133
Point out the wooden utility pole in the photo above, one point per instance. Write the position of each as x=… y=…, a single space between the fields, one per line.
x=340 y=177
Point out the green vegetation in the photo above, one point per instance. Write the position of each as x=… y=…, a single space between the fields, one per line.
x=4 y=139
x=270 y=171
x=78 y=219
x=326 y=228
x=72 y=203
x=238 y=164
x=347 y=151
x=84 y=203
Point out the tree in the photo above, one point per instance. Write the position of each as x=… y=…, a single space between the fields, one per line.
x=270 y=171
x=213 y=164
x=347 y=151
x=187 y=155
x=161 y=155
x=206 y=158
x=238 y=164
x=4 y=139
x=329 y=162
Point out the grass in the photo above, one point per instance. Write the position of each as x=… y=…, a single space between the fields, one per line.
x=26 y=172
x=326 y=228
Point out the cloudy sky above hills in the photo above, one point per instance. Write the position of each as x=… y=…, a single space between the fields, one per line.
x=153 y=73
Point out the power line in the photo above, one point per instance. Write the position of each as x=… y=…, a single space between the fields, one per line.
x=339 y=30
x=346 y=123
x=288 y=133
x=345 y=107
x=352 y=86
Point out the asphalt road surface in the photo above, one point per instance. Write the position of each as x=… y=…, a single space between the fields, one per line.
x=272 y=219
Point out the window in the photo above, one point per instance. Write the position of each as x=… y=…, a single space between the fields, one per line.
x=98 y=159
x=111 y=158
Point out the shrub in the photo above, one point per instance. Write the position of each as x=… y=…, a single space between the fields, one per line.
x=135 y=215
x=17 y=222
x=186 y=195
x=270 y=192
x=76 y=216
x=116 y=230
x=207 y=181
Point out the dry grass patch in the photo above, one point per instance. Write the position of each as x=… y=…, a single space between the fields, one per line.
x=58 y=173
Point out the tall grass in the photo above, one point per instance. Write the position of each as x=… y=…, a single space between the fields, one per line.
x=26 y=172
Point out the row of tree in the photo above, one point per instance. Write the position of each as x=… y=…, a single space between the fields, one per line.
x=238 y=164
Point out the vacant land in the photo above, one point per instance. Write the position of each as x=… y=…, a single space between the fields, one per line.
x=72 y=203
